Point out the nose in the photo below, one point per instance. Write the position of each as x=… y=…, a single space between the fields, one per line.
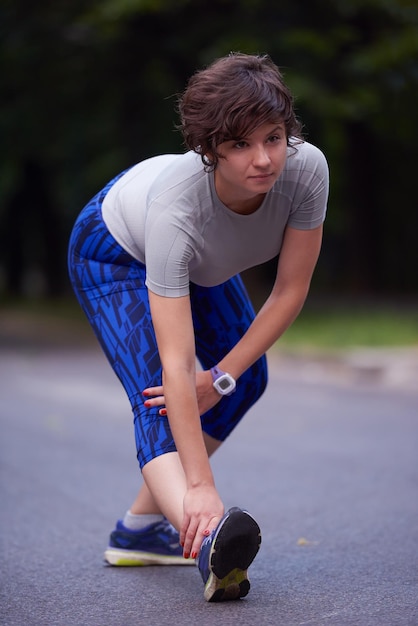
x=260 y=156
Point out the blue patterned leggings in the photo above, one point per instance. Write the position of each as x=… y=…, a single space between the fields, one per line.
x=110 y=287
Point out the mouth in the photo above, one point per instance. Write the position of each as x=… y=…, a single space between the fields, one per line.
x=261 y=177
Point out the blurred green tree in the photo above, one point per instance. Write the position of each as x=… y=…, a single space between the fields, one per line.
x=88 y=88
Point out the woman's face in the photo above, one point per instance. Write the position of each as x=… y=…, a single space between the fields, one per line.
x=249 y=167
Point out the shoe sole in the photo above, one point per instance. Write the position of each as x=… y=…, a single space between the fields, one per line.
x=130 y=558
x=233 y=550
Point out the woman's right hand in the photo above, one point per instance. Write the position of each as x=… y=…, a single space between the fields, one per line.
x=203 y=510
x=207 y=396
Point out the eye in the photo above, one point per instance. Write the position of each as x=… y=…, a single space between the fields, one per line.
x=239 y=145
x=274 y=139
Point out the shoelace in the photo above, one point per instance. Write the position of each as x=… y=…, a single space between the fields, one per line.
x=172 y=533
x=169 y=528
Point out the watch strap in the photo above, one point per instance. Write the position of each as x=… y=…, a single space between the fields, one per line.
x=216 y=372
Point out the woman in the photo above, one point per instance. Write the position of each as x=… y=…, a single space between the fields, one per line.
x=155 y=259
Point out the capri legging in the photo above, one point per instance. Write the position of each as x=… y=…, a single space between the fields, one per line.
x=110 y=286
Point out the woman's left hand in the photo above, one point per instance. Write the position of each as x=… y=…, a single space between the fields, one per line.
x=207 y=396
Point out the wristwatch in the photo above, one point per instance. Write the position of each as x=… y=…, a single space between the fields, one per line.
x=222 y=381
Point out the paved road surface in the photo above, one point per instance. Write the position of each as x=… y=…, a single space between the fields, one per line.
x=330 y=470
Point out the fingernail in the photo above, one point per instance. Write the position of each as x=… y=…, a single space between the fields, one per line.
x=206 y=533
x=147 y=403
x=145 y=393
x=186 y=555
x=194 y=555
x=163 y=412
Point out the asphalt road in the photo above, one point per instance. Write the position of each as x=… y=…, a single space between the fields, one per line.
x=328 y=467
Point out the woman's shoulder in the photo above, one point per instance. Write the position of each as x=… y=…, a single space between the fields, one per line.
x=179 y=175
x=306 y=168
x=303 y=156
x=163 y=164
x=182 y=164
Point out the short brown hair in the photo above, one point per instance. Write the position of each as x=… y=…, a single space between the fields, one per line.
x=230 y=99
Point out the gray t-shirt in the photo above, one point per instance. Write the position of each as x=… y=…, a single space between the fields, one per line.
x=165 y=212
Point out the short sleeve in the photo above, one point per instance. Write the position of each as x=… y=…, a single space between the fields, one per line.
x=311 y=195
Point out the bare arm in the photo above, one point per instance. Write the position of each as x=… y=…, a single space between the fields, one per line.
x=297 y=262
x=173 y=325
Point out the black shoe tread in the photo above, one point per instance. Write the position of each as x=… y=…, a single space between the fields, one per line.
x=236 y=545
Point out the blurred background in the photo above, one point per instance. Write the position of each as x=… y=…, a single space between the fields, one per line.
x=88 y=88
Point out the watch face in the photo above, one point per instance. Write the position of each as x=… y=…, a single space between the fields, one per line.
x=223 y=382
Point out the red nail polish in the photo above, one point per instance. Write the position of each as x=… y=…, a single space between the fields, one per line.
x=194 y=555
x=163 y=412
x=147 y=403
x=145 y=393
x=186 y=555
